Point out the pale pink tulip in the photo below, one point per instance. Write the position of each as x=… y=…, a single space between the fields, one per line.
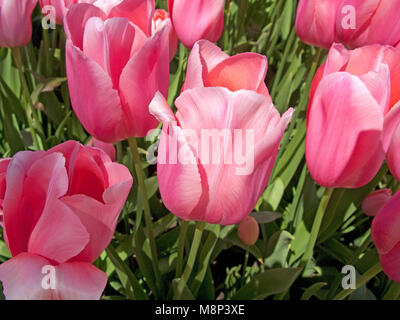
x=160 y=20
x=375 y=22
x=194 y=20
x=209 y=66
x=352 y=115
x=315 y=22
x=15 y=22
x=113 y=70
x=211 y=188
x=60 y=210
x=248 y=231
x=385 y=231
x=375 y=201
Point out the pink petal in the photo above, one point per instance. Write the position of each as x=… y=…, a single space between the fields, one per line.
x=386 y=225
x=343 y=142
x=160 y=109
x=392 y=122
x=243 y=71
x=59 y=234
x=195 y=20
x=22 y=279
x=390 y=263
x=393 y=155
x=204 y=57
x=375 y=201
x=145 y=74
x=108 y=148
x=75 y=21
x=140 y=12
x=93 y=98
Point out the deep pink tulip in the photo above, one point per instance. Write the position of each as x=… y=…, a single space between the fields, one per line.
x=376 y=22
x=114 y=69
x=385 y=232
x=194 y=20
x=15 y=22
x=315 y=22
x=209 y=66
x=160 y=20
x=60 y=209
x=3 y=170
x=202 y=184
x=375 y=201
x=353 y=112
x=248 y=231
x=106 y=147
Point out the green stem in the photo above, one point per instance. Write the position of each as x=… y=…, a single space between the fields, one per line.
x=30 y=111
x=181 y=248
x=372 y=272
x=246 y=260
x=316 y=227
x=146 y=206
x=191 y=259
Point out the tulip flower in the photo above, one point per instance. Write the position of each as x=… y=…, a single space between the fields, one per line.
x=248 y=231
x=375 y=201
x=15 y=22
x=375 y=22
x=209 y=66
x=113 y=70
x=316 y=22
x=385 y=234
x=60 y=210
x=160 y=20
x=353 y=112
x=106 y=147
x=216 y=182
x=194 y=20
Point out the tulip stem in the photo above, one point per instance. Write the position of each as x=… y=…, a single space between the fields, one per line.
x=30 y=111
x=372 y=272
x=246 y=260
x=181 y=248
x=316 y=227
x=198 y=233
x=146 y=206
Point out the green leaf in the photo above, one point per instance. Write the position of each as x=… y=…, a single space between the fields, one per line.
x=313 y=290
x=269 y=282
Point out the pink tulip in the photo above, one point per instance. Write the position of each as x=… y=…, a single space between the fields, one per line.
x=385 y=234
x=60 y=211
x=375 y=22
x=315 y=22
x=114 y=69
x=352 y=115
x=160 y=20
x=248 y=231
x=203 y=181
x=375 y=201
x=194 y=20
x=209 y=66
x=15 y=22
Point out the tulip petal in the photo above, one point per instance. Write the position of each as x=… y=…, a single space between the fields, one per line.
x=392 y=122
x=75 y=21
x=23 y=277
x=386 y=224
x=391 y=263
x=242 y=71
x=375 y=201
x=140 y=12
x=393 y=155
x=204 y=57
x=100 y=114
x=146 y=73
x=343 y=142
x=208 y=18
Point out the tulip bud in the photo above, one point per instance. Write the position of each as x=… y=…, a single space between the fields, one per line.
x=248 y=231
x=15 y=22
x=194 y=20
x=375 y=201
